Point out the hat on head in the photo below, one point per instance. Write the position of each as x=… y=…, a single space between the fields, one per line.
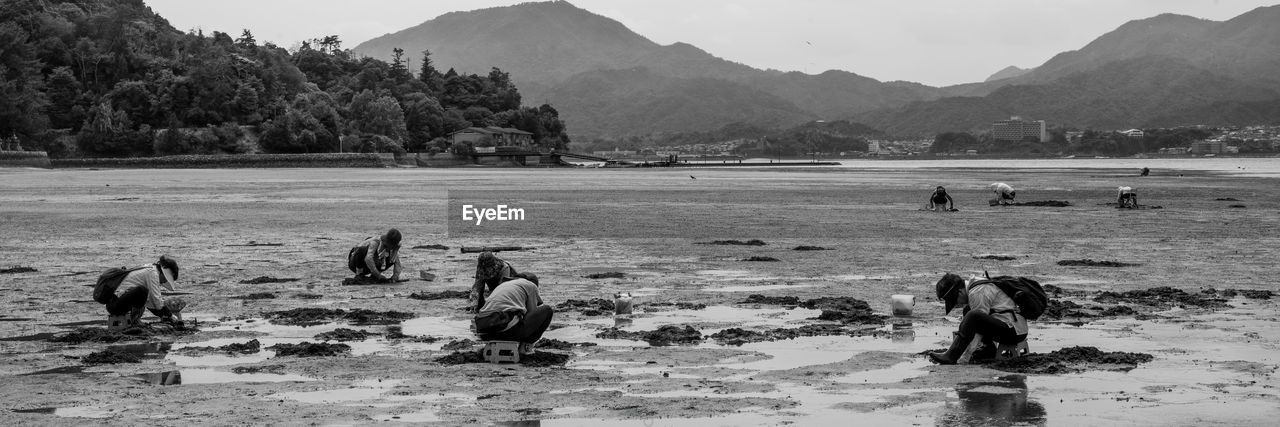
x=393 y=238
x=169 y=268
x=948 y=290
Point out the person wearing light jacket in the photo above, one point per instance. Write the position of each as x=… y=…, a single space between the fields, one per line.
x=524 y=316
x=987 y=311
x=142 y=288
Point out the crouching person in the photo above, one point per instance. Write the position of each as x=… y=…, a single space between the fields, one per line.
x=491 y=271
x=514 y=312
x=141 y=287
x=988 y=311
x=375 y=255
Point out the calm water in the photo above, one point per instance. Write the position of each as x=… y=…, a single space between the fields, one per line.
x=1251 y=166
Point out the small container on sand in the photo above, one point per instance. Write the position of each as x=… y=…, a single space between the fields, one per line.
x=902 y=304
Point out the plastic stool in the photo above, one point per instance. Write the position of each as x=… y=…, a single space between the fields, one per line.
x=116 y=323
x=1010 y=351
x=501 y=351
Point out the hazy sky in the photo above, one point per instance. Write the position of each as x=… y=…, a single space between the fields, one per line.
x=935 y=42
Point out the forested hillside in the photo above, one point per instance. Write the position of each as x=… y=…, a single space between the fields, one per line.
x=112 y=78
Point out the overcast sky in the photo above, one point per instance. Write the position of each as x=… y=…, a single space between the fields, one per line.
x=935 y=42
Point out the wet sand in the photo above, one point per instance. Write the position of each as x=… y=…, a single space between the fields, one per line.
x=1211 y=364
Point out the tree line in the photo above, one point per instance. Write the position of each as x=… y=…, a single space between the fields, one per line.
x=112 y=78
x=1089 y=142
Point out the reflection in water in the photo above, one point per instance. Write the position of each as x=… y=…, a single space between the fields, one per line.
x=162 y=378
x=622 y=322
x=146 y=350
x=522 y=423
x=1000 y=402
x=903 y=331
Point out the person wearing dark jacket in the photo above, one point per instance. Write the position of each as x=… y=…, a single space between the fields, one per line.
x=939 y=200
x=988 y=311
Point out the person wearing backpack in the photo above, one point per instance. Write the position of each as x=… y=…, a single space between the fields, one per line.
x=141 y=287
x=988 y=310
x=375 y=255
x=939 y=200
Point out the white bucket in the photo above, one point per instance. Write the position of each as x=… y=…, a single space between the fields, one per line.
x=622 y=303
x=902 y=304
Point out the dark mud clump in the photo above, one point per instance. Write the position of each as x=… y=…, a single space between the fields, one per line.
x=997 y=257
x=810 y=248
x=658 y=306
x=1119 y=310
x=1044 y=203
x=433 y=246
x=1091 y=263
x=344 y=334
x=1072 y=360
x=256 y=295
x=266 y=279
x=537 y=359
x=250 y=347
x=1059 y=309
x=608 y=275
x=461 y=357
x=459 y=345
x=98 y=335
x=440 y=295
x=739 y=336
x=308 y=316
x=308 y=349
x=362 y=281
x=663 y=336
x=140 y=332
x=761 y=259
x=308 y=296
x=555 y=344
x=1256 y=294
x=17 y=270
x=1237 y=206
x=395 y=332
x=594 y=307
x=845 y=310
x=761 y=299
x=752 y=242
x=1227 y=199
x=544 y=358
x=272 y=369
x=1162 y=296
x=110 y=356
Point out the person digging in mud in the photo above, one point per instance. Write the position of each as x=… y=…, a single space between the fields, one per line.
x=987 y=311
x=142 y=288
x=375 y=255
x=514 y=312
x=1004 y=193
x=491 y=271
x=1126 y=198
x=1145 y=172
x=939 y=200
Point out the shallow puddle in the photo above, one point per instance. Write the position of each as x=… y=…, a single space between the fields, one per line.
x=151 y=350
x=71 y=412
x=362 y=390
x=210 y=376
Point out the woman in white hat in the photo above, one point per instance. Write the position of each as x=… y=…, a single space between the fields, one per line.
x=142 y=287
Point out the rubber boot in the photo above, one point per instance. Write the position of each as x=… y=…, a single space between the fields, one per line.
x=949 y=357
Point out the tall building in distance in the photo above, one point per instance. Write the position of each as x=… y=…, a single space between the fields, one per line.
x=1015 y=129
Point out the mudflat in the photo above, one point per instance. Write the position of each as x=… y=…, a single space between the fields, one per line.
x=1159 y=316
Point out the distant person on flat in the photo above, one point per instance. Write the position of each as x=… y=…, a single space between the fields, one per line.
x=939 y=200
x=376 y=255
x=1004 y=193
x=1126 y=198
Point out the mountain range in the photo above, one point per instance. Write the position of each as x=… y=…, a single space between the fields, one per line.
x=608 y=81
